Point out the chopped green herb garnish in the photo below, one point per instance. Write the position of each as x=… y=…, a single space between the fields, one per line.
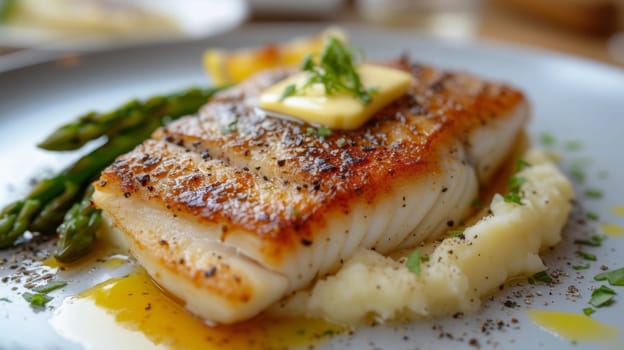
x=593 y=193
x=542 y=276
x=455 y=233
x=288 y=91
x=413 y=262
x=335 y=70
x=521 y=164
x=592 y=216
x=547 y=139
x=36 y=299
x=588 y=311
x=615 y=277
x=573 y=145
x=341 y=142
x=52 y=285
x=581 y=267
x=594 y=241
x=586 y=256
x=323 y=132
x=515 y=182
x=424 y=258
x=6 y=300
x=320 y=131
x=602 y=296
x=229 y=128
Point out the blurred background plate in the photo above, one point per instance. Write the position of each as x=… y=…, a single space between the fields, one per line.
x=96 y=24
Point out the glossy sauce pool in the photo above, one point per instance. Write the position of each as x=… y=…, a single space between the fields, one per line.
x=133 y=312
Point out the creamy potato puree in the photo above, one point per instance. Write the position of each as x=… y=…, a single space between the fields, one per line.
x=459 y=271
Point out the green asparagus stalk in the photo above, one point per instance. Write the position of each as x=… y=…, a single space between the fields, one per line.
x=134 y=113
x=77 y=233
x=47 y=204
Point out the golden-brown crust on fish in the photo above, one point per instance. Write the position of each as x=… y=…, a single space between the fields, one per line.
x=277 y=179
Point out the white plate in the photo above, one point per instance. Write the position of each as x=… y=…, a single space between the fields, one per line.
x=573 y=99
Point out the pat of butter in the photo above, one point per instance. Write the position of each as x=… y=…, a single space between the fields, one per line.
x=342 y=110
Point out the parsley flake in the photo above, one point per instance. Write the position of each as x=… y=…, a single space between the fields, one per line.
x=581 y=267
x=413 y=262
x=542 y=276
x=515 y=182
x=588 y=311
x=36 y=300
x=615 y=277
x=602 y=296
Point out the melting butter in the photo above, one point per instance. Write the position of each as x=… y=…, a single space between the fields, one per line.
x=573 y=327
x=340 y=111
x=140 y=316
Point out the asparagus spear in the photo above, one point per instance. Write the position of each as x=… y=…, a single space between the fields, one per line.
x=134 y=113
x=77 y=233
x=46 y=205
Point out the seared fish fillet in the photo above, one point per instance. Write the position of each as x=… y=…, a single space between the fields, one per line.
x=230 y=210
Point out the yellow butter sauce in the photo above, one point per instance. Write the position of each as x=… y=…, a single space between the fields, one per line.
x=618 y=210
x=612 y=229
x=574 y=327
x=137 y=304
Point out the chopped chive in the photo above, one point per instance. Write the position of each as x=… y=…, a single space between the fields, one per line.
x=52 y=285
x=594 y=241
x=581 y=267
x=586 y=256
x=413 y=262
x=602 y=296
x=592 y=216
x=615 y=277
x=593 y=193
x=588 y=311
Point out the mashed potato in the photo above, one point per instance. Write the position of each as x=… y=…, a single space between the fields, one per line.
x=459 y=270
